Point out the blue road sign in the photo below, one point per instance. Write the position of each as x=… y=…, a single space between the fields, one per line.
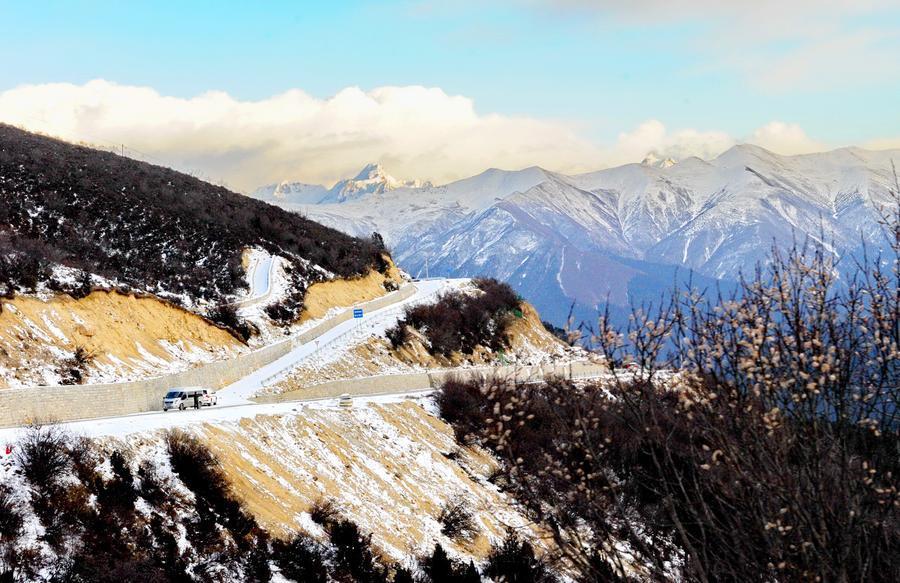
x=357 y=313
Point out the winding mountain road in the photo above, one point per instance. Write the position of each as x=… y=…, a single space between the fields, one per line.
x=235 y=400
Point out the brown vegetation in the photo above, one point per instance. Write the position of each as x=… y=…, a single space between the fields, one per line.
x=772 y=454
x=461 y=323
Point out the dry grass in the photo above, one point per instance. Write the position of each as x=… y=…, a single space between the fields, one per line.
x=391 y=479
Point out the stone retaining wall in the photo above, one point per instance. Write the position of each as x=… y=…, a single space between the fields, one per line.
x=433 y=379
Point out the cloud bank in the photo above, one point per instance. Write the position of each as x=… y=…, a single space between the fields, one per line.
x=416 y=132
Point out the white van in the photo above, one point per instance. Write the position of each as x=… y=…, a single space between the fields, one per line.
x=185 y=397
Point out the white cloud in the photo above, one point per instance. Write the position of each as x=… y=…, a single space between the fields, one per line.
x=652 y=136
x=883 y=144
x=416 y=132
x=785 y=138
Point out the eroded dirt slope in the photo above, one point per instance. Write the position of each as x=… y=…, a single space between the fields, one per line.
x=125 y=337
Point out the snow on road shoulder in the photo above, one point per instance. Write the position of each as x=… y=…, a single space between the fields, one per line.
x=337 y=340
x=159 y=420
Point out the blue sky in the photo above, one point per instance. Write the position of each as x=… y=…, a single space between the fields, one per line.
x=830 y=68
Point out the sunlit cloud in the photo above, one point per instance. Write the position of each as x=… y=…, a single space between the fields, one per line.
x=416 y=132
x=785 y=138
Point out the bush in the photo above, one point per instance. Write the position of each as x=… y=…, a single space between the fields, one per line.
x=323 y=511
x=771 y=456
x=463 y=406
x=12 y=526
x=200 y=471
x=90 y=522
x=354 y=560
x=460 y=322
x=301 y=559
x=43 y=455
x=398 y=334
x=513 y=561
x=283 y=312
x=457 y=520
x=227 y=317
x=74 y=369
x=152 y=486
x=439 y=568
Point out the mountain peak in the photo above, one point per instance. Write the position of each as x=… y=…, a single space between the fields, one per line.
x=654 y=160
x=373 y=171
x=372 y=179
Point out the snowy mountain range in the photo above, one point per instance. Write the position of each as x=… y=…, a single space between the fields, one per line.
x=621 y=234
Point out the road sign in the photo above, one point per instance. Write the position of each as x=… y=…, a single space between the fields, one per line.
x=357 y=312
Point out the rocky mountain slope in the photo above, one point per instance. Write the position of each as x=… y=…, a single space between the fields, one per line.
x=625 y=233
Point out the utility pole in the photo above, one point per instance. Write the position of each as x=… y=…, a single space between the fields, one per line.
x=426 y=267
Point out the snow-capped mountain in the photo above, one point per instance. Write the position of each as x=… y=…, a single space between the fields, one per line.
x=372 y=179
x=653 y=159
x=623 y=232
x=290 y=193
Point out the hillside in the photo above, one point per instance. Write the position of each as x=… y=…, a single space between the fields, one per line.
x=241 y=500
x=113 y=269
x=498 y=335
x=146 y=227
x=625 y=233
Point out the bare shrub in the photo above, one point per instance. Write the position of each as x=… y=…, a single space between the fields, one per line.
x=514 y=561
x=324 y=511
x=227 y=317
x=464 y=407
x=301 y=559
x=12 y=524
x=771 y=456
x=398 y=334
x=201 y=472
x=285 y=311
x=457 y=520
x=43 y=455
x=440 y=568
x=73 y=370
x=769 y=452
x=354 y=559
x=152 y=486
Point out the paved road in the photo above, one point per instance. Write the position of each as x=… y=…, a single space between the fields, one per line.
x=262 y=271
x=234 y=400
x=159 y=420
